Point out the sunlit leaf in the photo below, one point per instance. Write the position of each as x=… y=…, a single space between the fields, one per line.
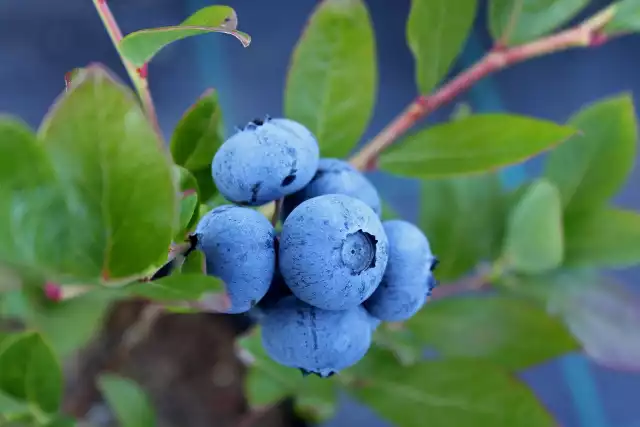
x=436 y=32
x=478 y=143
x=332 y=81
x=140 y=46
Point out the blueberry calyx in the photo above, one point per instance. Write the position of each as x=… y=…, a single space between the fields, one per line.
x=358 y=251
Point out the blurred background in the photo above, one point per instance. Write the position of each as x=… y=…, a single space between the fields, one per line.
x=40 y=40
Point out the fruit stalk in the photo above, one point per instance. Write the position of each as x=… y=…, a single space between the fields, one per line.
x=138 y=76
x=589 y=33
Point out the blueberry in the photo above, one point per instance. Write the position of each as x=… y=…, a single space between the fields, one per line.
x=408 y=280
x=265 y=161
x=333 y=251
x=238 y=244
x=335 y=176
x=314 y=340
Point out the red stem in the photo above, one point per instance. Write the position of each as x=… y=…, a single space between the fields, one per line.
x=586 y=34
x=139 y=76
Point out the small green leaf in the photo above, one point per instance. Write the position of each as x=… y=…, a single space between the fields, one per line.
x=478 y=143
x=186 y=181
x=195 y=263
x=199 y=133
x=44 y=376
x=463 y=218
x=30 y=371
x=603 y=238
x=206 y=187
x=178 y=287
x=69 y=324
x=129 y=403
x=451 y=392
x=492 y=329
x=591 y=167
x=188 y=215
x=332 y=82
x=267 y=382
x=626 y=17
x=436 y=32
x=518 y=21
x=534 y=239
x=140 y=46
x=602 y=315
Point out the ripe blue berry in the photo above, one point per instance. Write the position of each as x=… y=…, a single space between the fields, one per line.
x=265 y=161
x=335 y=176
x=238 y=244
x=333 y=251
x=317 y=341
x=408 y=279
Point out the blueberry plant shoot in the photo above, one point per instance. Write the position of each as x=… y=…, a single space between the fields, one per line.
x=277 y=223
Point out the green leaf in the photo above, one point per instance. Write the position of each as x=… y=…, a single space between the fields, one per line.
x=31 y=204
x=194 y=263
x=61 y=421
x=626 y=17
x=436 y=32
x=129 y=210
x=188 y=215
x=607 y=237
x=206 y=187
x=70 y=324
x=267 y=382
x=70 y=77
x=10 y=405
x=93 y=199
x=199 y=133
x=478 y=143
x=518 y=21
x=591 y=167
x=332 y=82
x=602 y=315
x=30 y=371
x=140 y=46
x=449 y=393
x=407 y=348
x=463 y=218
x=178 y=287
x=492 y=329
x=185 y=180
x=129 y=403
x=534 y=240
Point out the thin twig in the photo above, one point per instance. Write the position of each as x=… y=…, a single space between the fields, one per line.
x=138 y=76
x=480 y=280
x=584 y=35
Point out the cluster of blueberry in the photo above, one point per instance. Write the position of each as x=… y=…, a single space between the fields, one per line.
x=334 y=272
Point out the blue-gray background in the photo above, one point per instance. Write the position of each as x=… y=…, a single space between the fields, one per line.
x=40 y=40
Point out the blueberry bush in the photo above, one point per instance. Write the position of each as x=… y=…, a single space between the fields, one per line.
x=279 y=224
